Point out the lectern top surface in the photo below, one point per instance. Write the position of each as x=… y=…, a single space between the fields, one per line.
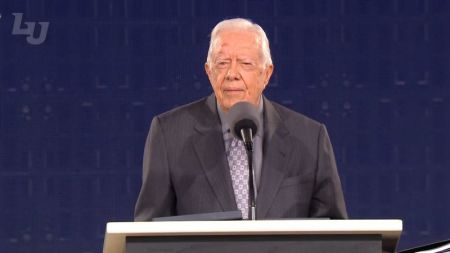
x=116 y=232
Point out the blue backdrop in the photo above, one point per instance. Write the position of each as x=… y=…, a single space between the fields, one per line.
x=75 y=109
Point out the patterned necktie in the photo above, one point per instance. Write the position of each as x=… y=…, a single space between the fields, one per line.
x=237 y=160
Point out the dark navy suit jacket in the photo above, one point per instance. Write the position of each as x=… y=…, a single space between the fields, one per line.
x=185 y=168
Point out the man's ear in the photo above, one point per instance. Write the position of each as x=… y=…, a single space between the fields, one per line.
x=207 y=69
x=267 y=74
x=208 y=72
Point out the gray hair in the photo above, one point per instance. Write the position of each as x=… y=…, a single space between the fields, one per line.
x=241 y=24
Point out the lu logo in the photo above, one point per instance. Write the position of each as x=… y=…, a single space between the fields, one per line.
x=29 y=29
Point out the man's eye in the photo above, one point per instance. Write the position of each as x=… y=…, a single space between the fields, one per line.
x=247 y=65
x=247 y=62
x=221 y=64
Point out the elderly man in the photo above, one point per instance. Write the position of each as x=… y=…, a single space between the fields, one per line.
x=189 y=150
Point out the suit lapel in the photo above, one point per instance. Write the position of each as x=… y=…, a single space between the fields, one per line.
x=208 y=144
x=275 y=147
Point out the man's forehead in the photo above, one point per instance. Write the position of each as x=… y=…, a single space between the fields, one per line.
x=241 y=40
x=243 y=46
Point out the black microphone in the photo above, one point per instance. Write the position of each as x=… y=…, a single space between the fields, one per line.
x=244 y=130
x=244 y=125
x=244 y=121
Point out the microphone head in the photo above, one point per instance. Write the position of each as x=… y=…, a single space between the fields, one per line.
x=243 y=115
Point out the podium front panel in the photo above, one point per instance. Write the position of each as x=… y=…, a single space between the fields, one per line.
x=252 y=243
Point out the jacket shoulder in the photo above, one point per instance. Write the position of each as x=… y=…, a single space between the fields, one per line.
x=195 y=105
x=183 y=114
x=294 y=119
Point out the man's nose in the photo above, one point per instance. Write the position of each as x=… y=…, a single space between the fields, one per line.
x=233 y=72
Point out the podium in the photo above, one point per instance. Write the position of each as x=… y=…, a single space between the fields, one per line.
x=274 y=236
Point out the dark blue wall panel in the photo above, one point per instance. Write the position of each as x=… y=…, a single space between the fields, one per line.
x=75 y=110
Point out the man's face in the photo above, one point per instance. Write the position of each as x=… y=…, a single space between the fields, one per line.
x=237 y=72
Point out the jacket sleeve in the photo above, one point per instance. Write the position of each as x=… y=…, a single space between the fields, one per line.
x=328 y=198
x=156 y=197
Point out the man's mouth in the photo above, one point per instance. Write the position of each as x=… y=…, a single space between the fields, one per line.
x=232 y=90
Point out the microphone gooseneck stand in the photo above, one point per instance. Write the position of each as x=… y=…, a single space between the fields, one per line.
x=248 y=143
